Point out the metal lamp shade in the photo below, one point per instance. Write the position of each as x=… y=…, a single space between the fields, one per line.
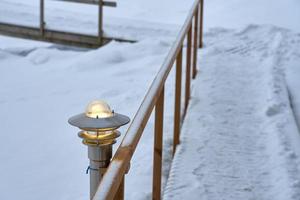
x=93 y=124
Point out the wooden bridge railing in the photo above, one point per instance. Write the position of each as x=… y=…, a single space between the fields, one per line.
x=100 y=4
x=44 y=33
x=112 y=184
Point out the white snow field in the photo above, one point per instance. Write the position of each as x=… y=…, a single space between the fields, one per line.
x=240 y=139
x=243 y=144
x=41 y=88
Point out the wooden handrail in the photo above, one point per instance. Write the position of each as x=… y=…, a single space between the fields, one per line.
x=96 y=2
x=100 y=4
x=114 y=176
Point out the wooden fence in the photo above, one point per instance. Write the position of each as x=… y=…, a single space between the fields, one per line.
x=112 y=184
x=42 y=33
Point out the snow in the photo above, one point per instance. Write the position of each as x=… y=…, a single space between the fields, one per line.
x=42 y=88
x=238 y=13
x=43 y=84
x=236 y=141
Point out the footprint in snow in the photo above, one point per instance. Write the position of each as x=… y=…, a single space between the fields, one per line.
x=273 y=110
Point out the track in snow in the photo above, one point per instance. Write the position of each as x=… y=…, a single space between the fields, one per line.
x=239 y=136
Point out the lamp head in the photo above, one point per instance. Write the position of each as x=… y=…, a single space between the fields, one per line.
x=99 y=123
x=98 y=116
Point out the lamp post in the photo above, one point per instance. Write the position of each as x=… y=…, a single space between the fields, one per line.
x=98 y=126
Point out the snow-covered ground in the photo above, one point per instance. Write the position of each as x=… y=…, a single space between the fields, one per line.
x=240 y=139
x=42 y=85
x=236 y=14
x=41 y=88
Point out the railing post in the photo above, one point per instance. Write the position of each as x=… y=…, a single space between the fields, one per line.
x=158 y=147
x=177 y=116
x=42 y=17
x=201 y=24
x=196 y=16
x=100 y=21
x=188 y=70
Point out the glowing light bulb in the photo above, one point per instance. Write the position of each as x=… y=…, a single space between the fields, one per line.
x=98 y=109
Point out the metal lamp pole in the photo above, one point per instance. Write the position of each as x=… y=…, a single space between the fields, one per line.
x=98 y=126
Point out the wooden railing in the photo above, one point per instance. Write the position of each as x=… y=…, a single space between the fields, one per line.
x=44 y=33
x=100 y=4
x=112 y=184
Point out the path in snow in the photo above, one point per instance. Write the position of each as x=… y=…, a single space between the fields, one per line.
x=239 y=140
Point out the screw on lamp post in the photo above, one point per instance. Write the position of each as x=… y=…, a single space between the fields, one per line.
x=99 y=126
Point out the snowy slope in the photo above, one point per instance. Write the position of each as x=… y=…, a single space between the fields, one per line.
x=41 y=88
x=240 y=140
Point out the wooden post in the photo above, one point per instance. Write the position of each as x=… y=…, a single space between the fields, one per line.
x=177 y=120
x=201 y=24
x=120 y=193
x=158 y=147
x=42 y=17
x=100 y=21
x=196 y=16
x=188 y=70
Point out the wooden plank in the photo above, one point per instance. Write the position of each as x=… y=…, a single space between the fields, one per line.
x=158 y=147
x=100 y=21
x=177 y=115
x=60 y=37
x=201 y=24
x=94 y=2
x=49 y=36
x=42 y=16
x=196 y=16
x=120 y=193
x=188 y=71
